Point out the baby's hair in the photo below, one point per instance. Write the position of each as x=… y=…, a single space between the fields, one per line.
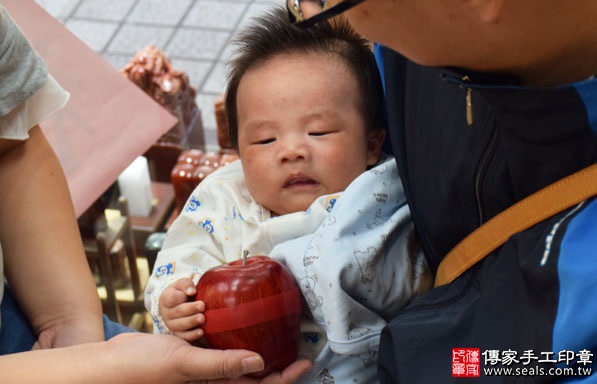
x=272 y=34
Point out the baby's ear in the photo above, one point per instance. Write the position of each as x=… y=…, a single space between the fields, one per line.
x=374 y=146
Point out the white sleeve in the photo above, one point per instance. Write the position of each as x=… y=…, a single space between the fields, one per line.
x=28 y=94
x=50 y=98
x=216 y=224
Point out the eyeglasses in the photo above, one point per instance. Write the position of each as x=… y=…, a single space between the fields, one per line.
x=306 y=13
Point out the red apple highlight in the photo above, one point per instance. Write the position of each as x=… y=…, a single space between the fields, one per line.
x=252 y=304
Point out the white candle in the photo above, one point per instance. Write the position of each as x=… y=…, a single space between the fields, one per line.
x=135 y=185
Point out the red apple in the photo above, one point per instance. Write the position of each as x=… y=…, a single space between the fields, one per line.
x=252 y=304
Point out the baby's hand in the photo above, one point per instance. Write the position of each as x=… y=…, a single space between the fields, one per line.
x=181 y=316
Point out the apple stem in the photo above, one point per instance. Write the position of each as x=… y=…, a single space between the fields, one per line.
x=245 y=254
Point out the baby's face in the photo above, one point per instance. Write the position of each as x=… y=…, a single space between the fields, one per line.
x=301 y=132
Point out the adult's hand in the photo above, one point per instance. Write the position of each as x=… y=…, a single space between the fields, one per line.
x=167 y=359
x=140 y=358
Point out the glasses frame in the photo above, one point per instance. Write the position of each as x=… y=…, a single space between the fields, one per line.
x=297 y=18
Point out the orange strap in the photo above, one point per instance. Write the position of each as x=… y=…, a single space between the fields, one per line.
x=541 y=205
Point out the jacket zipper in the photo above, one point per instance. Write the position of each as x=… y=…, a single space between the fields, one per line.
x=486 y=155
x=469 y=102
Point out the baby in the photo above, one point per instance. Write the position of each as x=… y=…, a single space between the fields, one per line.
x=305 y=109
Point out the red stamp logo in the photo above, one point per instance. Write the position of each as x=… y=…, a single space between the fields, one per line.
x=466 y=362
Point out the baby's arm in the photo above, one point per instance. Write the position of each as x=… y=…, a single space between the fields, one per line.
x=180 y=312
x=188 y=251
x=217 y=223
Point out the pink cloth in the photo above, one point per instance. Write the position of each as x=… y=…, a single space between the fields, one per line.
x=108 y=120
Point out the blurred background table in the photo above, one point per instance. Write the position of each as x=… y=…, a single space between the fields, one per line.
x=161 y=211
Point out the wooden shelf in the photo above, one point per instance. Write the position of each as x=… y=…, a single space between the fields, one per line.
x=163 y=194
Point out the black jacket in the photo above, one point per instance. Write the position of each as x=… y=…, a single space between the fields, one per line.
x=456 y=176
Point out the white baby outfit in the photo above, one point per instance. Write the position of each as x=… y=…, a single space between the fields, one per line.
x=353 y=255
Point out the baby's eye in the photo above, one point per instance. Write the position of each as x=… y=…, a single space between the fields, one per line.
x=322 y=133
x=265 y=141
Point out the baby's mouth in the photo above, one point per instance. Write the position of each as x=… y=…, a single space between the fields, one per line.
x=300 y=182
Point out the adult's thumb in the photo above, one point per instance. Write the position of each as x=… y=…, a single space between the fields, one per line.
x=218 y=364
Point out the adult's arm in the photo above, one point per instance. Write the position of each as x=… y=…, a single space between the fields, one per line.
x=44 y=260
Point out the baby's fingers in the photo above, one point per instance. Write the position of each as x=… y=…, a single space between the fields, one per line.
x=190 y=335
x=186 y=327
x=184 y=316
x=176 y=294
x=185 y=285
